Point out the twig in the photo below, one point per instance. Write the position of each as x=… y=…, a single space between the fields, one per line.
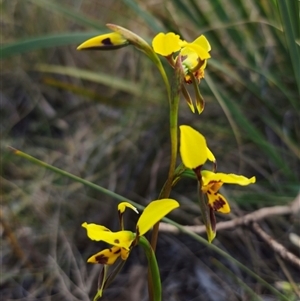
x=245 y=220
x=276 y=246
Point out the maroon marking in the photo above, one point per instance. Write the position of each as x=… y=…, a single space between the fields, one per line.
x=197 y=171
x=101 y=259
x=107 y=42
x=218 y=204
x=212 y=218
x=137 y=232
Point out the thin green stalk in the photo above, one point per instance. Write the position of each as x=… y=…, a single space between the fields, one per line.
x=174 y=98
x=153 y=270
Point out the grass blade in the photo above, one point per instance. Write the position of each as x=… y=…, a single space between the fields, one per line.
x=69 y=12
x=43 y=42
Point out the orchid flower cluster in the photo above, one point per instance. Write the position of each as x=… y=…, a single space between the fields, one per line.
x=189 y=61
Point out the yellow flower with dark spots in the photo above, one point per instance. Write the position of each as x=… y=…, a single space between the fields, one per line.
x=123 y=241
x=193 y=57
x=211 y=184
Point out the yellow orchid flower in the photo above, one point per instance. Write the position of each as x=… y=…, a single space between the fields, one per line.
x=194 y=153
x=123 y=241
x=169 y=43
x=193 y=57
x=212 y=182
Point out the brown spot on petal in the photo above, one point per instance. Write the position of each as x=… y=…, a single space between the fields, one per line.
x=107 y=42
x=116 y=241
x=101 y=259
x=218 y=204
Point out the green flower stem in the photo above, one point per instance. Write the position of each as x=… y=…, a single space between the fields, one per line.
x=153 y=271
x=167 y=220
x=174 y=104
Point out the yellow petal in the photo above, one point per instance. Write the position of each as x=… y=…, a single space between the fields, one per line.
x=107 y=256
x=202 y=42
x=120 y=239
x=201 y=52
x=218 y=202
x=208 y=176
x=107 y=41
x=210 y=156
x=96 y=228
x=190 y=58
x=203 y=66
x=122 y=206
x=193 y=149
x=124 y=253
x=153 y=213
x=166 y=44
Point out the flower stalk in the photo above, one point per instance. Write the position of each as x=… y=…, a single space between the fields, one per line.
x=153 y=270
x=174 y=105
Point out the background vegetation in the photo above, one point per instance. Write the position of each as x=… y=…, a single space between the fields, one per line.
x=103 y=116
